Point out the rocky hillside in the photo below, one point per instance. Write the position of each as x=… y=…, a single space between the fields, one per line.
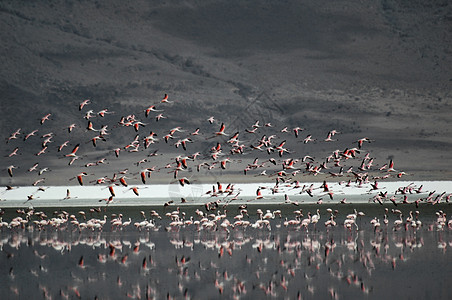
x=366 y=68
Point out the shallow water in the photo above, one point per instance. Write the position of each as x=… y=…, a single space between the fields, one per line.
x=196 y=262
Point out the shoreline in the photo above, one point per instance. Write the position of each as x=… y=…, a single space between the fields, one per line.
x=199 y=194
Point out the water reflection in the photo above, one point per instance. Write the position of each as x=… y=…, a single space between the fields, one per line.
x=194 y=255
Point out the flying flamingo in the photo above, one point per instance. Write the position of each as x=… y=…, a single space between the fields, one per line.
x=10 y=170
x=117 y=150
x=89 y=114
x=45 y=118
x=71 y=127
x=296 y=130
x=183 y=181
x=62 y=146
x=135 y=190
x=159 y=117
x=14 y=152
x=104 y=111
x=165 y=99
x=68 y=195
x=73 y=159
x=80 y=177
x=391 y=166
x=38 y=181
x=43 y=150
x=33 y=168
x=223 y=163
x=90 y=127
x=14 y=135
x=361 y=141
x=137 y=125
x=329 y=137
x=148 y=110
x=221 y=131
x=43 y=170
x=94 y=139
x=82 y=104
x=74 y=151
x=112 y=191
x=252 y=130
x=196 y=132
x=259 y=194
x=30 y=134
x=308 y=139
x=144 y=174
x=123 y=181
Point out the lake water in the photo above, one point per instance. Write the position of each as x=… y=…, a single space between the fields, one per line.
x=200 y=262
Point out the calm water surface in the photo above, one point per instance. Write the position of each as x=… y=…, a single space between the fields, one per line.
x=201 y=262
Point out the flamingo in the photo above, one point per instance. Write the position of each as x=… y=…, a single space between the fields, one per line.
x=104 y=111
x=152 y=108
x=135 y=190
x=183 y=181
x=71 y=127
x=376 y=224
x=223 y=163
x=10 y=170
x=256 y=124
x=38 y=181
x=315 y=218
x=33 y=168
x=45 y=118
x=221 y=131
x=83 y=103
x=62 y=146
x=90 y=127
x=196 y=132
x=165 y=99
x=252 y=130
x=80 y=177
x=143 y=175
x=72 y=160
x=126 y=223
x=281 y=145
x=159 y=117
x=391 y=166
x=14 y=135
x=259 y=194
x=288 y=201
x=89 y=114
x=30 y=134
x=361 y=141
x=74 y=151
x=68 y=194
x=96 y=138
x=296 y=130
x=123 y=181
x=308 y=139
x=43 y=170
x=305 y=222
x=14 y=152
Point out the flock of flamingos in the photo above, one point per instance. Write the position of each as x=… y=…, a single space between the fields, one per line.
x=275 y=149
x=221 y=223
